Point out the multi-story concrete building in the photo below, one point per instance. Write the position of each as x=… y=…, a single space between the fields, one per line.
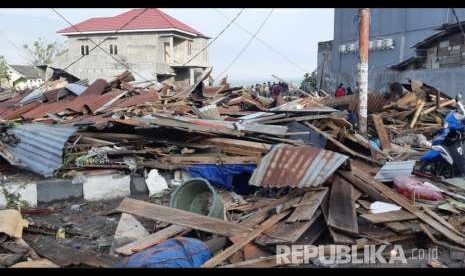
x=150 y=42
x=393 y=34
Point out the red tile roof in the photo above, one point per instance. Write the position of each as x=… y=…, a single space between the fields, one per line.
x=150 y=19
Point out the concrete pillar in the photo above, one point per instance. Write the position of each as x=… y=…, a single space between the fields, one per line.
x=191 y=76
x=362 y=68
x=171 y=49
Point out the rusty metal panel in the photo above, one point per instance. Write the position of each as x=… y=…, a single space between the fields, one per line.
x=296 y=166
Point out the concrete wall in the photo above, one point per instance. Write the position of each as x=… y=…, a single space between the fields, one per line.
x=406 y=26
x=143 y=52
x=448 y=80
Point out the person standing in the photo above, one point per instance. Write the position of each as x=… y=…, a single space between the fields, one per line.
x=349 y=91
x=340 y=91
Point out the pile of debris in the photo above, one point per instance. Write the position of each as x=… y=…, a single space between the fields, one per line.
x=264 y=174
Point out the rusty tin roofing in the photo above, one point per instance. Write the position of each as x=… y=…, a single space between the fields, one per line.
x=296 y=166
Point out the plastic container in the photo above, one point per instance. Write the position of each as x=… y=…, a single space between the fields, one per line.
x=198 y=196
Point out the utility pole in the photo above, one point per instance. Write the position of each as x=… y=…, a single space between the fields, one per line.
x=362 y=68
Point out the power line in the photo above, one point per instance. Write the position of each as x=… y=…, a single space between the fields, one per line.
x=17 y=48
x=458 y=21
x=246 y=45
x=97 y=45
x=266 y=44
x=216 y=37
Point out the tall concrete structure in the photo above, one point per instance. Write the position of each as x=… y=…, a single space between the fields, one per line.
x=393 y=32
x=150 y=42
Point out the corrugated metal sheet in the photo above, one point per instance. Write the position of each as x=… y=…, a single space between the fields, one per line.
x=77 y=89
x=297 y=167
x=142 y=98
x=40 y=147
x=393 y=169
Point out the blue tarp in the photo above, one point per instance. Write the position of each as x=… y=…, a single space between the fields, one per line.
x=223 y=175
x=174 y=253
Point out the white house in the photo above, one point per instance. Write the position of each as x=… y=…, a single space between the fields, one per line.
x=24 y=77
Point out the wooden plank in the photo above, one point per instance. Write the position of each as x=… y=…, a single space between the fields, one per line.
x=441 y=220
x=242 y=144
x=180 y=217
x=400 y=215
x=420 y=106
x=356 y=194
x=397 y=227
x=338 y=237
x=228 y=252
x=342 y=215
x=443 y=104
x=284 y=203
x=363 y=186
x=284 y=232
x=152 y=239
x=307 y=206
x=382 y=133
x=404 y=203
x=340 y=145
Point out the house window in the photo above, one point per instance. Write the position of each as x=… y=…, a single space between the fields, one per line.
x=189 y=48
x=85 y=50
x=166 y=49
x=113 y=49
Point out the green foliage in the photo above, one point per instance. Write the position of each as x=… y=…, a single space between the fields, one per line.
x=13 y=200
x=309 y=82
x=42 y=52
x=3 y=68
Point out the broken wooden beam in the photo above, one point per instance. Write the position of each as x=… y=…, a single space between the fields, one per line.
x=180 y=217
x=420 y=106
x=382 y=133
x=246 y=238
x=342 y=215
x=389 y=217
x=405 y=203
x=151 y=240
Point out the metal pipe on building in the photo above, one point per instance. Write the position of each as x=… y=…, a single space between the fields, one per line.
x=362 y=68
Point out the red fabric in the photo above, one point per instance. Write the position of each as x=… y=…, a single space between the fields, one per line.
x=340 y=92
x=150 y=19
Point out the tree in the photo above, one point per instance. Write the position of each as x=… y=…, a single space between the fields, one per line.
x=3 y=68
x=3 y=71
x=309 y=82
x=42 y=52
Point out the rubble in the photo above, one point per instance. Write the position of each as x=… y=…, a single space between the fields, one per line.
x=296 y=173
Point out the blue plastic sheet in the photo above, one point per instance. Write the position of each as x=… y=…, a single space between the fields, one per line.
x=174 y=253
x=223 y=176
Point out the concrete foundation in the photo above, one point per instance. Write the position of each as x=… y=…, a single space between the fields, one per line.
x=101 y=187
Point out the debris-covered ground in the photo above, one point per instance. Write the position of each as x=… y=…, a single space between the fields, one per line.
x=201 y=176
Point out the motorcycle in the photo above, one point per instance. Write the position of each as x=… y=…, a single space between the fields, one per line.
x=446 y=156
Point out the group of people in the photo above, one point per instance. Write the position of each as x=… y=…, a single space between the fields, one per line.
x=341 y=91
x=268 y=89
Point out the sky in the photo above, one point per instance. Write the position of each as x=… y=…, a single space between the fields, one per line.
x=293 y=33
